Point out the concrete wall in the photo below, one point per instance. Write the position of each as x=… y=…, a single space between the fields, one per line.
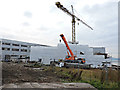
x=47 y=53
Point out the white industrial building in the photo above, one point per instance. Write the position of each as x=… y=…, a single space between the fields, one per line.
x=47 y=54
x=14 y=50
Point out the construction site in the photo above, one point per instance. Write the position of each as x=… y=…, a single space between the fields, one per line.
x=69 y=65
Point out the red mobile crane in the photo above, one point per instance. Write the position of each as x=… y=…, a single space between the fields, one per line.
x=71 y=58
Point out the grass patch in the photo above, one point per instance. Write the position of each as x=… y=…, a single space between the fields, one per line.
x=95 y=77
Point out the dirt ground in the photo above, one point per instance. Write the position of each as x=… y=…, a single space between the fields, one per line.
x=17 y=73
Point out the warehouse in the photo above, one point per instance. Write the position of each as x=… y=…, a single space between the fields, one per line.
x=14 y=50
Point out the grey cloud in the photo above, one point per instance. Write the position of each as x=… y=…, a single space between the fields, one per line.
x=4 y=29
x=7 y=35
x=43 y=28
x=102 y=13
x=52 y=9
x=104 y=17
x=28 y=14
x=25 y=24
x=47 y=28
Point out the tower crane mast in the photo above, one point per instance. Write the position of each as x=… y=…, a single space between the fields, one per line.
x=60 y=6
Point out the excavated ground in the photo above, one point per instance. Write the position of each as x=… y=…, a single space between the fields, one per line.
x=17 y=73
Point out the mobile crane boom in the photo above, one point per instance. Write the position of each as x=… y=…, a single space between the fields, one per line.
x=63 y=38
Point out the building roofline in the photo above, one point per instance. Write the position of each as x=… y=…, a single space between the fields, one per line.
x=31 y=44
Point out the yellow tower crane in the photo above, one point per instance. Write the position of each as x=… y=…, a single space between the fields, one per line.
x=58 y=4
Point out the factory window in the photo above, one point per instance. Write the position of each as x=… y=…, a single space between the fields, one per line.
x=3 y=48
x=23 y=45
x=23 y=50
x=15 y=44
x=6 y=43
x=81 y=53
x=7 y=49
x=14 y=55
x=14 y=49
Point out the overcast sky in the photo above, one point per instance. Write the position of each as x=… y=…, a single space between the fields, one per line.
x=40 y=21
